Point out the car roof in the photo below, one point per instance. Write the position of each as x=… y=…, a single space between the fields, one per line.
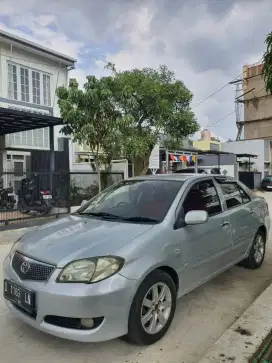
x=180 y=177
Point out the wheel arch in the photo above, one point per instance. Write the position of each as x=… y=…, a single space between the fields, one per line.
x=263 y=230
x=172 y=273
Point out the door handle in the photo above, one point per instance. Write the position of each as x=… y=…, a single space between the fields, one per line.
x=224 y=224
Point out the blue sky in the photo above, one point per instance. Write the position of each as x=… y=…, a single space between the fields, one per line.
x=205 y=42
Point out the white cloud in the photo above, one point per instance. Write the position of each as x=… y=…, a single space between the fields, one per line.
x=206 y=43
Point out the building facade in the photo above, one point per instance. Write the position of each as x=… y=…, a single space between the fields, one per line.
x=257 y=104
x=29 y=76
x=259 y=147
x=207 y=142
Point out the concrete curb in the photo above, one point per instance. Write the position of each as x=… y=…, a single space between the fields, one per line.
x=11 y=236
x=240 y=342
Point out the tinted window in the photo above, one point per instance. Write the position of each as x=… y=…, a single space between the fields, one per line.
x=245 y=197
x=136 y=198
x=203 y=196
x=267 y=178
x=234 y=195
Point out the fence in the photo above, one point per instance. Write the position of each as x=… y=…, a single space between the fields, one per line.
x=68 y=190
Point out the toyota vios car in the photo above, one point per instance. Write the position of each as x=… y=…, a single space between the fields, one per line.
x=117 y=266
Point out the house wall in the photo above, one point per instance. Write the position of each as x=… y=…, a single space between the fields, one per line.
x=261 y=148
x=223 y=159
x=207 y=145
x=58 y=77
x=257 y=105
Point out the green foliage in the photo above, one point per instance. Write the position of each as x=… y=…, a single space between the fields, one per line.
x=90 y=116
x=152 y=102
x=267 y=64
x=123 y=114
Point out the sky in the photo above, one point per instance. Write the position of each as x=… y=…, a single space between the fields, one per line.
x=205 y=42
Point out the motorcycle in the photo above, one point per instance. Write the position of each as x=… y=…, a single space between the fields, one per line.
x=32 y=200
x=7 y=199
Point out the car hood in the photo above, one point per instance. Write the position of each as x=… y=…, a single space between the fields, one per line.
x=75 y=237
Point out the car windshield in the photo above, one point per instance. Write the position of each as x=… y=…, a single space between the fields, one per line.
x=268 y=178
x=134 y=200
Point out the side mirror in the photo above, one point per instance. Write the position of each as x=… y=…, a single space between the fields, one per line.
x=196 y=217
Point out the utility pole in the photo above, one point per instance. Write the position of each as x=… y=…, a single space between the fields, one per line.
x=239 y=101
x=238 y=107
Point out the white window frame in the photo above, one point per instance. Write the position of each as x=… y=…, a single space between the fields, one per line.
x=29 y=139
x=36 y=87
x=46 y=87
x=39 y=139
x=45 y=99
x=25 y=85
x=12 y=80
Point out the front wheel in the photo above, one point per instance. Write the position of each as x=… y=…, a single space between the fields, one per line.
x=257 y=252
x=152 y=309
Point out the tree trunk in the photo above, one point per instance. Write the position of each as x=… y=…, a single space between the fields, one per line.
x=141 y=165
x=99 y=179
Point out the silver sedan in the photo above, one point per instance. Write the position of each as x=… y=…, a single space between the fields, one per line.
x=117 y=266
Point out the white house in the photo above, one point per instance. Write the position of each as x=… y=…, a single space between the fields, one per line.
x=29 y=76
x=259 y=147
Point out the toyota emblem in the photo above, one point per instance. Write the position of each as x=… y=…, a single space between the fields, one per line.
x=25 y=267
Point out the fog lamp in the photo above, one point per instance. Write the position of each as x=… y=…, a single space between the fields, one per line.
x=87 y=323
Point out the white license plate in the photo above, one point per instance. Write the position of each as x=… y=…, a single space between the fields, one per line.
x=10 y=194
x=47 y=196
x=269 y=187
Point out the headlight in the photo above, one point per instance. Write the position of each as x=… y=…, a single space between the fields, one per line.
x=91 y=270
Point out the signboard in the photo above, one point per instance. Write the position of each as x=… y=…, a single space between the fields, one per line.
x=154 y=159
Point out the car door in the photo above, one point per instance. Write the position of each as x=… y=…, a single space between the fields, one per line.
x=206 y=247
x=244 y=221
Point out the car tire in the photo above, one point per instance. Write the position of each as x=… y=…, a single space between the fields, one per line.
x=151 y=316
x=257 y=252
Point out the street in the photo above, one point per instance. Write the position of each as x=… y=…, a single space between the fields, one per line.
x=201 y=317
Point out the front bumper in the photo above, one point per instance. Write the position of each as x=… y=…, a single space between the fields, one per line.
x=110 y=299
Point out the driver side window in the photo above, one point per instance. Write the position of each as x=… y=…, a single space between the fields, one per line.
x=203 y=196
x=119 y=196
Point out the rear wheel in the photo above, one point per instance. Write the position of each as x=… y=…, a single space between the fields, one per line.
x=10 y=206
x=257 y=252
x=22 y=209
x=152 y=309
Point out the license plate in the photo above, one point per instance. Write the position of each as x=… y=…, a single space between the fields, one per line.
x=10 y=194
x=24 y=298
x=47 y=196
x=269 y=187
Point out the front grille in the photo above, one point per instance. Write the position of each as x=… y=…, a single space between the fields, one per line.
x=28 y=269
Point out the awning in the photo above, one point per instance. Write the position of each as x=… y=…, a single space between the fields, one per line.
x=246 y=155
x=14 y=121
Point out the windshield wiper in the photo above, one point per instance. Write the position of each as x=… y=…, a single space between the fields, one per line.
x=140 y=219
x=101 y=214
x=113 y=216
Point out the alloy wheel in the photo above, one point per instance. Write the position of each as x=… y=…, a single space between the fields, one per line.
x=156 y=308
x=259 y=248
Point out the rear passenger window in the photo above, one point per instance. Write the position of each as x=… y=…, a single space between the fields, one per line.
x=234 y=195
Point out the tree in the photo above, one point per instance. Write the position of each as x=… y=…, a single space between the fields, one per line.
x=91 y=117
x=267 y=64
x=152 y=102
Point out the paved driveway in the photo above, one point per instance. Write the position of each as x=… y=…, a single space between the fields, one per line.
x=201 y=317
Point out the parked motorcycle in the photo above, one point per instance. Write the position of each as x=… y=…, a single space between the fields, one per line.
x=32 y=199
x=7 y=199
